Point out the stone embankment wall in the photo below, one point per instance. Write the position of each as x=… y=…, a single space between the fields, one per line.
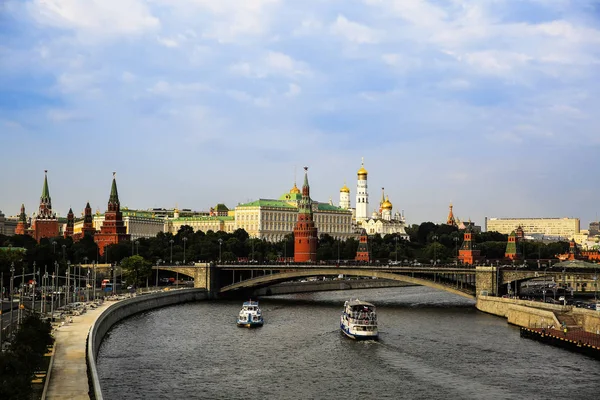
x=318 y=286
x=531 y=314
x=126 y=308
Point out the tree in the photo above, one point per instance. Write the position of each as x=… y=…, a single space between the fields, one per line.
x=136 y=270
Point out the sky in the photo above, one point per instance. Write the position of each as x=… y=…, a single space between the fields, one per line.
x=489 y=104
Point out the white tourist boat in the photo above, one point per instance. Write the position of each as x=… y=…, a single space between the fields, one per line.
x=250 y=315
x=359 y=320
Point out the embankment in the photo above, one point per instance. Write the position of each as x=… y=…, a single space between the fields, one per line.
x=123 y=309
x=532 y=314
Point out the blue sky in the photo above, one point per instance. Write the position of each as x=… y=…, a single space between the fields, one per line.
x=489 y=104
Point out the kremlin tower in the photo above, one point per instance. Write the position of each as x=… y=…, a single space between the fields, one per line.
x=305 y=232
x=362 y=253
x=362 y=197
x=22 y=224
x=45 y=223
x=467 y=253
x=113 y=229
x=70 y=224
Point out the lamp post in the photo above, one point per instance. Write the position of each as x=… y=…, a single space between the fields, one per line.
x=338 y=243
x=157 y=262
x=64 y=248
x=456 y=248
x=69 y=282
x=220 y=244
x=35 y=274
x=52 y=299
x=544 y=293
x=596 y=289
x=20 y=313
x=171 y=259
x=137 y=248
x=12 y=278
x=44 y=289
x=87 y=284
x=184 y=242
x=434 y=238
x=396 y=240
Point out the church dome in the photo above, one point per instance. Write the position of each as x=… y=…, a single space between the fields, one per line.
x=295 y=189
x=362 y=172
x=345 y=189
x=386 y=205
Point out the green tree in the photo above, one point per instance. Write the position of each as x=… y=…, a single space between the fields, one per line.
x=135 y=270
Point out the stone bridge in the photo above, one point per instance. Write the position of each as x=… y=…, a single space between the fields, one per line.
x=232 y=279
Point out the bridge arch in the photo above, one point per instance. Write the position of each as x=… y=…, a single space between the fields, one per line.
x=271 y=279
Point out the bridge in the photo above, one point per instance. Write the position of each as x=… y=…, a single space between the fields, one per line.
x=465 y=281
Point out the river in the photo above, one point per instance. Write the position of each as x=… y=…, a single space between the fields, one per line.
x=433 y=345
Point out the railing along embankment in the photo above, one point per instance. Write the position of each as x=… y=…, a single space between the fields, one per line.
x=124 y=309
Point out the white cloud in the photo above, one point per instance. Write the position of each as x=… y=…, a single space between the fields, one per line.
x=98 y=17
x=167 y=42
x=353 y=31
x=231 y=19
x=273 y=63
x=293 y=90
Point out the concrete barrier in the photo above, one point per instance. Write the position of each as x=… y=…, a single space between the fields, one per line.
x=124 y=309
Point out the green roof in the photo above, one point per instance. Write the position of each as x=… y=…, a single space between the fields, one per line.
x=45 y=191
x=221 y=207
x=205 y=218
x=329 y=207
x=268 y=203
x=291 y=196
x=21 y=249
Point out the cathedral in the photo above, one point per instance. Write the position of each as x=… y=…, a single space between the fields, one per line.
x=382 y=220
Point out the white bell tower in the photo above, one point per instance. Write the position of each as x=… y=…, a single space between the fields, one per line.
x=362 y=196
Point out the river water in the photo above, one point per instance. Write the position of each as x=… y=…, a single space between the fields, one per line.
x=433 y=345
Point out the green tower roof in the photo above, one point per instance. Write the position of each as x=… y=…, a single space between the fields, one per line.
x=114 y=194
x=45 y=191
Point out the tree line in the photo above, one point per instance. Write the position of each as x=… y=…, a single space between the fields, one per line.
x=428 y=241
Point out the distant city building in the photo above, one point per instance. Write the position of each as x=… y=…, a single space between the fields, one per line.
x=594 y=228
x=7 y=225
x=564 y=228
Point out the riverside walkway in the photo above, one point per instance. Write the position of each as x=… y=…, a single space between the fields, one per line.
x=68 y=377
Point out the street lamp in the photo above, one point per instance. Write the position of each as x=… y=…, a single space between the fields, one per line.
x=12 y=278
x=69 y=282
x=220 y=244
x=52 y=299
x=157 y=262
x=171 y=260
x=87 y=284
x=456 y=248
x=184 y=242
x=64 y=248
x=396 y=240
x=20 y=314
x=434 y=238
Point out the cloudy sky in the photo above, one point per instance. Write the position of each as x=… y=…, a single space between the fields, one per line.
x=492 y=105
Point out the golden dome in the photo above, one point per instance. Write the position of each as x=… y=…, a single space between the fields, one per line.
x=295 y=189
x=386 y=205
x=362 y=171
x=345 y=189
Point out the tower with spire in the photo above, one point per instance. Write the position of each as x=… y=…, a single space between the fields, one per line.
x=70 y=224
x=22 y=223
x=451 y=219
x=45 y=223
x=362 y=195
x=468 y=254
x=87 y=228
x=305 y=232
x=113 y=229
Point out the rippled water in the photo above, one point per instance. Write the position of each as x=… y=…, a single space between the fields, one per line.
x=433 y=345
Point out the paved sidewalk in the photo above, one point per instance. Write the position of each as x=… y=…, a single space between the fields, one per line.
x=68 y=378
